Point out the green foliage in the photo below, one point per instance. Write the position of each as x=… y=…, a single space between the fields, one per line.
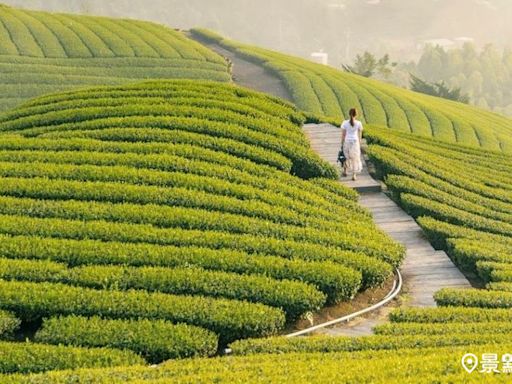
x=494 y=272
x=461 y=197
x=469 y=253
x=443 y=315
x=410 y=329
x=176 y=201
x=384 y=366
x=230 y=319
x=473 y=298
x=8 y=323
x=486 y=78
x=43 y=53
x=155 y=340
x=500 y=286
x=374 y=271
x=294 y=297
x=327 y=344
x=332 y=279
x=439 y=89
x=277 y=135
x=26 y=357
x=324 y=91
x=368 y=65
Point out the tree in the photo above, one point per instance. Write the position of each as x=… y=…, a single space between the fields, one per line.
x=430 y=64
x=367 y=65
x=439 y=89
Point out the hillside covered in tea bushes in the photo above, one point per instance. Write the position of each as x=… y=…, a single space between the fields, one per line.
x=44 y=52
x=329 y=93
x=417 y=346
x=167 y=219
x=462 y=198
x=170 y=218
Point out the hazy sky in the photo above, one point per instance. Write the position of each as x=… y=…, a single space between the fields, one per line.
x=340 y=27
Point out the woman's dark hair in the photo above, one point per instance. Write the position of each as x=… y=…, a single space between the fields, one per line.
x=352 y=113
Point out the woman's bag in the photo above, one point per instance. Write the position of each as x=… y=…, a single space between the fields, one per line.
x=341 y=157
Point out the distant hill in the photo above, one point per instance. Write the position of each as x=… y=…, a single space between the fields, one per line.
x=43 y=52
x=340 y=27
x=327 y=92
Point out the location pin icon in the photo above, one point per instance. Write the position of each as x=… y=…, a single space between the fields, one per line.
x=469 y=362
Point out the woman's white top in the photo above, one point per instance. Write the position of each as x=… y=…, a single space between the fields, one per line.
x=352 y=131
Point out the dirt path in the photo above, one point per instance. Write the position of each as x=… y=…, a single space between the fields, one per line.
x=251 y=75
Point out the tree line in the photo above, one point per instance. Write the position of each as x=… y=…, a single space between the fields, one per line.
x=479 y=77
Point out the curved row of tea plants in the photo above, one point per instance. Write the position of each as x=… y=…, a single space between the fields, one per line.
x=28 y=357
x=453 y=185
x=329 y=93
x=430 y=342
x=43 y=52
x=372 y=366
x=463 y=200
x=152 y=209
x=293 y=296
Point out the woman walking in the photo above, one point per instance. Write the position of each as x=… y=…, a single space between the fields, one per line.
x=352 y=132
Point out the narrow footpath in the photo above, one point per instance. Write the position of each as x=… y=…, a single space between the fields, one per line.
x=424 y=270
x=248 y=74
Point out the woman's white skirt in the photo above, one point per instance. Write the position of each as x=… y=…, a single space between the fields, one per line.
x=352 y=151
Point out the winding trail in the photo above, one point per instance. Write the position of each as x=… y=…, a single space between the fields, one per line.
x=424 y=270
x=249 y=74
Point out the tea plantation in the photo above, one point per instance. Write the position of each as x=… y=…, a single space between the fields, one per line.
x=43 y=52
x=177 y=215
x=329 y=93
x=462 y=198
x=417 y=346
x=160 y=221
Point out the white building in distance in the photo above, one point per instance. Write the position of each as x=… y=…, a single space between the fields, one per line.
x=320 y=58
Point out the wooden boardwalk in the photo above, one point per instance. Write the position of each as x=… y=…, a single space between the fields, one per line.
x=424 y=270
x=326 y=140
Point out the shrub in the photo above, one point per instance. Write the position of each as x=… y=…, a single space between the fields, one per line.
x=491 y=271
x=423 y=329
x=8 y=323
x=380 y=367
x=229 y=318
x=443 y=315
x=28 y=357
x=155 y=340
x=500 y=286
x=294 y=297
x=473 y=298
x=335 y=280
x=374 y=271
x=326 y=344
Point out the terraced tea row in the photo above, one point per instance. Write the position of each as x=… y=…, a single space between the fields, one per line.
x=325 y=91
x=464 y=209
x=43 y=52
x=178 y=216
x=418 y=344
